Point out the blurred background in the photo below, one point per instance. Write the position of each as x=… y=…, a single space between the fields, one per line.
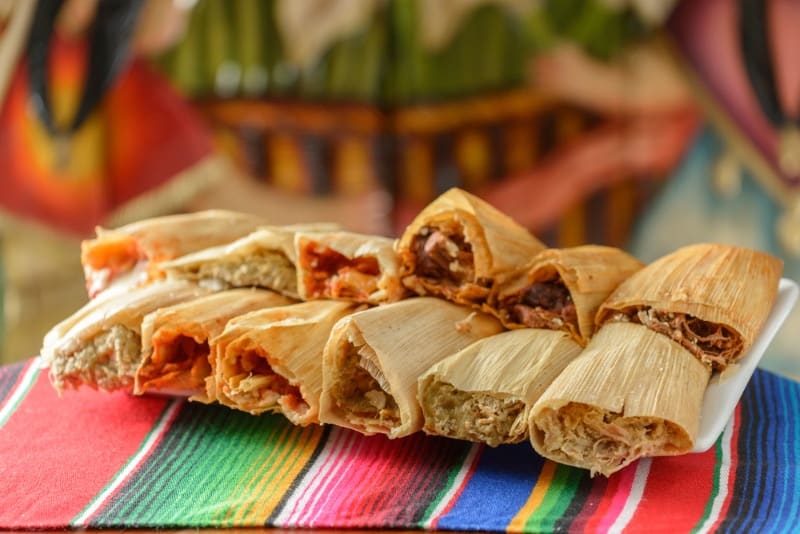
x=643 y=124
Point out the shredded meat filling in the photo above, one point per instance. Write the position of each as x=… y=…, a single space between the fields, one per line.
x=360 y=396
x=604 y=441
x=545 y=304
x=257 y=388
x=472 y=416
x=444 y=264
x=713 y=344
x=334 y=275
x=179 y=363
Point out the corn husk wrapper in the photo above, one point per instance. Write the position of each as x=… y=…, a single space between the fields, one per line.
x=374 y=358
x=271 y=360
x=265 y=258
x=631 y=393
x=589 y=272
x=484 y=392
x=724 y=285
x=100 y=344
x=499 y=246
x=175 y=340
x=144 y=244
x=348 y=284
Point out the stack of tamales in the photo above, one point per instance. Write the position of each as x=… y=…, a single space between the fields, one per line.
x=466 y=327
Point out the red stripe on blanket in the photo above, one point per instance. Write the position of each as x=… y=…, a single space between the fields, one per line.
x=688 y=480
x=80 y=441
x=733 y=450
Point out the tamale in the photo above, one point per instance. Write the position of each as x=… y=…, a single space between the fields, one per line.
x=347 y=266
x=631 y=393
x=712 y=299
x=484 y=392
x=374 y=358
x=265 y=258
x=561 y=289
x=175 y=339
x=100 y=345
x=460 y=246
x=271 y=360
x=130 y=255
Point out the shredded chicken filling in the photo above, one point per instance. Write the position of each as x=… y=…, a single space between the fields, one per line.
x=180 y=362
x=271 y=270
x=604 y=441
x=357 y=393
x=713 y=344
x=334 y=275
x=444 y=264
x=108 y=361
x=472 y=416
x=546 y=304
x=256 y=387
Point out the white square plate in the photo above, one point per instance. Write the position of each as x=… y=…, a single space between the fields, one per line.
x=722 y=395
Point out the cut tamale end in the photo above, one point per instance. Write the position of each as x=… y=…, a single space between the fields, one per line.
x=632 y=393
x=561 y=289
x=138 y=248
x=483 y=392
x=375 y=357
x=347 y=266
x=100 y=345
x=265 y=258
x=712 y=299
x=271 y=360
x=175 y=339
x=460 y=246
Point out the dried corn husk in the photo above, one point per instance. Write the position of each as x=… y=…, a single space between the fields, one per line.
x=175 y=349
x=265 y=258
x=498 y=247
x=377 y=283
x=483 y=393
x=723 y=285
x=589 y=272
x=271 y=360
x=631 y=393
x=100 y=344
x=145 y=244
x=374 y=358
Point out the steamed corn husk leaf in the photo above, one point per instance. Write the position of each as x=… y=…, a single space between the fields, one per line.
x=374 y=358
x=271 y=360
x=483 y=393
x=631 y=393
x=175 y=349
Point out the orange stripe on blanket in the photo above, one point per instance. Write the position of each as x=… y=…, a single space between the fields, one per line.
x=535 y=500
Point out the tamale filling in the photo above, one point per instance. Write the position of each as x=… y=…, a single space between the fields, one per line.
x=334 y=275
x=472 y=416
x=713 y=344
x=254 y=386
x=545 y=304
x=360 y=396
x=108 y=361
x=267 y=269
x=444 y=264
x=604 y=441
x=108 y=259
x=179 y=362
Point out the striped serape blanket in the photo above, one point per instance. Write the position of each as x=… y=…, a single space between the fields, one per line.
x=95 y=459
